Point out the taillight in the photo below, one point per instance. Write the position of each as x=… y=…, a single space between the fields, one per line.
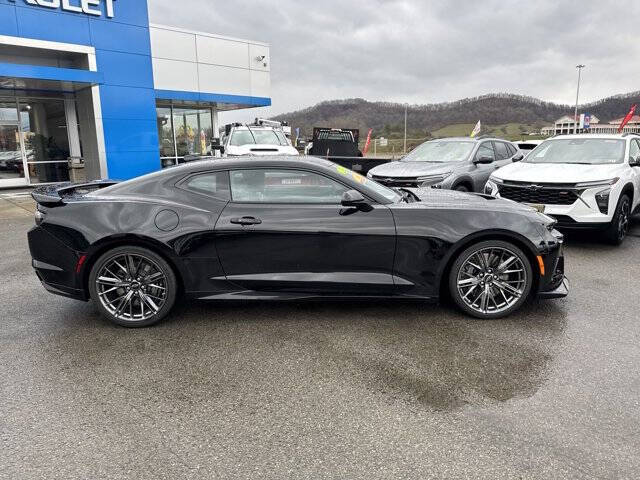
x=81 y=261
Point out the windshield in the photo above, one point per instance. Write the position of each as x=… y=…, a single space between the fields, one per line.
x=253 y=136
x=387 y=193
x=587 y=151
x=440 y=152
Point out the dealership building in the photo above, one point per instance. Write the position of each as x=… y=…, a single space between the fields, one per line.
x=89 y=89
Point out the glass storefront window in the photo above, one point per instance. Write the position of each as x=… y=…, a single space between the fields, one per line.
x=194 y=130
x=165 y=132
x=43 y=126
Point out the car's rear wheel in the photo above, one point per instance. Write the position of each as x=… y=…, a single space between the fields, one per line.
x=461 y=188
x=490 y=279
x=132 y=286
x=617 y=230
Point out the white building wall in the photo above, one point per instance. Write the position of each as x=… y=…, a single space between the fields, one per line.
x=205 y=63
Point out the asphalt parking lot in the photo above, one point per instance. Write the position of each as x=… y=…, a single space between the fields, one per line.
x=322 y=390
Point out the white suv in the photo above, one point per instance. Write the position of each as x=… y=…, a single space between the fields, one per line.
x=259 y=139
x=584 y=181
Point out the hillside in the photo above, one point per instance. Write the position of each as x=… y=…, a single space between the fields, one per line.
x=511 y=114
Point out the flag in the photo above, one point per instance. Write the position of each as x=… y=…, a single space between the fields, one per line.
x=366 y=145
x=627 y=118
x=476 y=129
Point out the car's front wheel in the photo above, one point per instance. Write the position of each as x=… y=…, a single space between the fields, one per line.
x=617 y=230
x=491 y=279
x=132 y=286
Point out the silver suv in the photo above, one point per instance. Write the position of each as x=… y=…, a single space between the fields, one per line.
x=460 y=163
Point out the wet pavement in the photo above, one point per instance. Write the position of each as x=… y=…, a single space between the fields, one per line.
x=322 y=390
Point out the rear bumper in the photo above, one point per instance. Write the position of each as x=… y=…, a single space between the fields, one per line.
x=63 y=290
x=55 y=264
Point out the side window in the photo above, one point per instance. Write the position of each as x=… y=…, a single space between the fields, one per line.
x=634 y=149
x=215 y=184
x=512 y=149
x=502 y=153
x=284 y=186
x=485 y=150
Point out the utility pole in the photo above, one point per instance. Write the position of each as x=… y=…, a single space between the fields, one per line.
x=575 y=113
x=405 y=127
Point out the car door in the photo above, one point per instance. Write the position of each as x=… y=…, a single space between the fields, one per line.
x=285 y=230
x=634 y=152
x=482 y=171
x=503 y=154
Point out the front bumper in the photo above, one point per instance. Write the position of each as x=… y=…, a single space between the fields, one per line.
x=560 y=291
x=554 y=283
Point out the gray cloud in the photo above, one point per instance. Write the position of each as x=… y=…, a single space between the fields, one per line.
x=428 y=51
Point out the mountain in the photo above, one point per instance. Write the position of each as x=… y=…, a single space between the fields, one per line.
x=494 y=109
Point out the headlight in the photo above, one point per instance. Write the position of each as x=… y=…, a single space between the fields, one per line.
x=427 y=180
x=39 y=216
x=598 y=183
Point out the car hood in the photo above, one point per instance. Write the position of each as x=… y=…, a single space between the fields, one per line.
x=557 y=172
x=411 y=169
x=436 y=198
x=260 y=149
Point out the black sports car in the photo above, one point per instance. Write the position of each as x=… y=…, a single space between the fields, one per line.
x=286 y=228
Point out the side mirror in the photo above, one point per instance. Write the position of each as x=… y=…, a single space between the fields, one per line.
x=353 y=198
x=517 y=157
x=483 y=160
x=634 y=162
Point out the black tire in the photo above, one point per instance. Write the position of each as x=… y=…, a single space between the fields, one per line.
x=152 y=284
x=491 y=278
x=617 y=230
x=462 y=188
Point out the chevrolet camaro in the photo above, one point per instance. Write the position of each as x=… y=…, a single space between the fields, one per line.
x=283 y=228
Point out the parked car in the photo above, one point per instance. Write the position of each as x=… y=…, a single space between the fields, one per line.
x=461 y=163
x=259 y=139
x=526 y=146
x=584 y=181
x=286 y=228
x=334 y=142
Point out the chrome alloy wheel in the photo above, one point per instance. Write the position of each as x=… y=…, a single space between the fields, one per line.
x=491 y=280
x=131 y=287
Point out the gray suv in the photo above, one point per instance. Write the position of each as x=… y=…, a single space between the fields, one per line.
x=460 y=163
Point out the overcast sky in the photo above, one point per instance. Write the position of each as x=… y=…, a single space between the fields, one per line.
x=428 y=51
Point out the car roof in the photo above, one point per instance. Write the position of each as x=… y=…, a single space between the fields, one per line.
x=468 y=139
x=257 y=161
x=609 y=136
x=255 y=127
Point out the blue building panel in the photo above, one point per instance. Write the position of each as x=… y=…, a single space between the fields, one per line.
x=37 y=23
x=131 y=135
x=8 y=22
x=126 y=102
x=129 y=164
x=39 y=72
x=125 y=69
x=114 y=36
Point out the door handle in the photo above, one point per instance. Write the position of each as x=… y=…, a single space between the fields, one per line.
x=246 y=221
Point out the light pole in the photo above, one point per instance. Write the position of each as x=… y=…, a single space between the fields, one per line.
x=575 y=113
x=405 y=127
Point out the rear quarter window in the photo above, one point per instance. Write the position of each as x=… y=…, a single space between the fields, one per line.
x=214 y=184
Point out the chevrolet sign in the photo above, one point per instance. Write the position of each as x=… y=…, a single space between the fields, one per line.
x=88 y=7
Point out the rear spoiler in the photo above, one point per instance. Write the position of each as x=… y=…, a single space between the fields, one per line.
x=53 y=195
